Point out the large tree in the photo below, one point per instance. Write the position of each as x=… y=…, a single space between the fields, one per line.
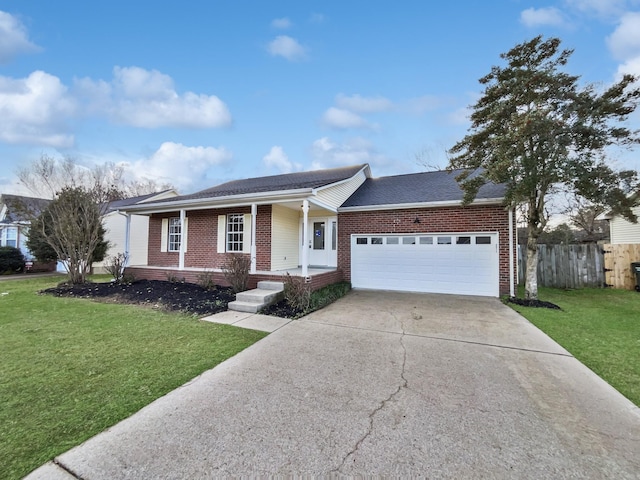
x=70 y=229
x=536 y=130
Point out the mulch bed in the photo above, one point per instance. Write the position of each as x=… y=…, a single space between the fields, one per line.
x=533 y=303
x=175 y=296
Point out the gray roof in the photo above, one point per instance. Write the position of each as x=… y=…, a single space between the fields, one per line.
x=125 y=202
x=274 y=183
x=19 y=208
x=424 y=187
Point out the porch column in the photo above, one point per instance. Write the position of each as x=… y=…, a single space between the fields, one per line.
x=254 y=214
x=127 y=239
x=183 y=235
x=305 y=241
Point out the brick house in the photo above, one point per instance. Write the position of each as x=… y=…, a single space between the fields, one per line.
x=404 y=232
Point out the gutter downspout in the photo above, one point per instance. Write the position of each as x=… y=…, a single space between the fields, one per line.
x=511 y=247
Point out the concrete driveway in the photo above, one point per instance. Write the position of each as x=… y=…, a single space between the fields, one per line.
x=381 y=383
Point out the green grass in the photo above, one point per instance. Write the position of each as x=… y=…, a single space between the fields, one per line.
x=600 y=327
x=70 y=368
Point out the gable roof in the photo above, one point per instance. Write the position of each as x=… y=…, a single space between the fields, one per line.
x=16 y=208
x=277 y=183
x=438 y=187
x=125 y=202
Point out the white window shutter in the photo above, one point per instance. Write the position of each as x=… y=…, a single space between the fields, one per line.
x=184 y=233
x=246 y=233
x=164 y=234
x=222 y=233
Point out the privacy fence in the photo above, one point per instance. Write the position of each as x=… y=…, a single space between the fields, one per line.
x=584 y=265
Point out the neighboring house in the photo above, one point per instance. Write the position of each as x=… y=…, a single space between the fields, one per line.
x=405 y=232
x=14 y=220
x=115 y=224
x=622 y=230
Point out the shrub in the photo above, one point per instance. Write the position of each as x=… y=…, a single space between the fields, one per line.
x=115 y=265
x=206 y=280
x=329 y=294
x=11 y=260
x=236 y=271
x=297 y=292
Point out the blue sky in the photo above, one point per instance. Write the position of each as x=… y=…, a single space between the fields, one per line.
x=199 y=92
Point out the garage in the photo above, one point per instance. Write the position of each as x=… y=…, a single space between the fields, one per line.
x=456 y=263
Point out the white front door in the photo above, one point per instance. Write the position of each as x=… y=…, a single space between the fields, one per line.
x=322 y=241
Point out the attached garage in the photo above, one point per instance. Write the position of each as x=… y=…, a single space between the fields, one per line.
x=457 y=263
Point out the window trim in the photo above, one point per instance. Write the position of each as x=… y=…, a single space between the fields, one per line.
x=239 y=241
x=174 y=224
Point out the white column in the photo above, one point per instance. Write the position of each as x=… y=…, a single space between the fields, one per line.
x=254 y=215
x=305 y=247
x=182 y=237
x=127 y=239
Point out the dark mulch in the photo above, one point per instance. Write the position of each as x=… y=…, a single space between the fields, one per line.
x=533 y=303
x=281 y=309
x=175 y=296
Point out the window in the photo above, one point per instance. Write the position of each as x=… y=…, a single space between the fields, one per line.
x=376 y=240
x=408 y=240
x=361 y=241
x=334 y=235
x=175 y=234
x=463 y=241
x=483 y=240
x=392 y=240
x=444 y=240
x=235 y=232
x=426 y=240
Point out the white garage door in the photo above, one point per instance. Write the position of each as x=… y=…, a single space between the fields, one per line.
x=460 y=263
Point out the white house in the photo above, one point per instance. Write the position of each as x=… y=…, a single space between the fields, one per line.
x=623 y=231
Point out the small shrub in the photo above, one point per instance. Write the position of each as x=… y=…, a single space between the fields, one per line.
x=236 y=271
x=297 y=292
x=172 y=277
x=116 y=264
x=11 y=260
x=128 y=278
x=206 y=280
x=329 y=294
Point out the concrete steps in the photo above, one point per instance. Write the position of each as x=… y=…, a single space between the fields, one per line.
x=252 y=301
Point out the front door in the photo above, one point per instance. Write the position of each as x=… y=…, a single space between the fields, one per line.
x=321 y=243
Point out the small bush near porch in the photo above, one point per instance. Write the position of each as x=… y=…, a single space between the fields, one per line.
x=600 y=327
x=71 y=368
x=300 y=301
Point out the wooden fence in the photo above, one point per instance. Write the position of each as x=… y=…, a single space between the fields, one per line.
x=566 y=266
x=617 y=264
x=585 y=265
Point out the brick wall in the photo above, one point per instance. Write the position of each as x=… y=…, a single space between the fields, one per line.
x=493 y=218
x=202 y=239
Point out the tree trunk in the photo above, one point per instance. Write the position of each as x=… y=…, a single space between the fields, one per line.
x=531 y=280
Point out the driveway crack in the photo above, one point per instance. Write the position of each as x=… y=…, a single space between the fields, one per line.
x=403 y=384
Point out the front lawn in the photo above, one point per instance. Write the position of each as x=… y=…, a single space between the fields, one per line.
x=70 y=368
x=600 y=327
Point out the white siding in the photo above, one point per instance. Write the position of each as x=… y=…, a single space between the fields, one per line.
x=336 y=195
x=115 y=226
x=285 y=224
x=623 y=231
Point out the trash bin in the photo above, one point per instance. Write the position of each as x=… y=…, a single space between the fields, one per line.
x=635 y=269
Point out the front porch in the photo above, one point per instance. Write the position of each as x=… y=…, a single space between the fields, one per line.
x=317 y=277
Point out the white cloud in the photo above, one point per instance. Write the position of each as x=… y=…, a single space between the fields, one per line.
x=624 y=42
x=327 y=154
x=342 y=119
x=178 y=164
x=34 y=110
x=318 y=18
x=359 y=104
x=13 y=38
x=278 y=159
x=548 y=16
x=281 y=23
x=148 y=99
x=287 y=47
x=601 y=8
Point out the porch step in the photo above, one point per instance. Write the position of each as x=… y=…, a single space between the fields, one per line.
x=252 y=301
